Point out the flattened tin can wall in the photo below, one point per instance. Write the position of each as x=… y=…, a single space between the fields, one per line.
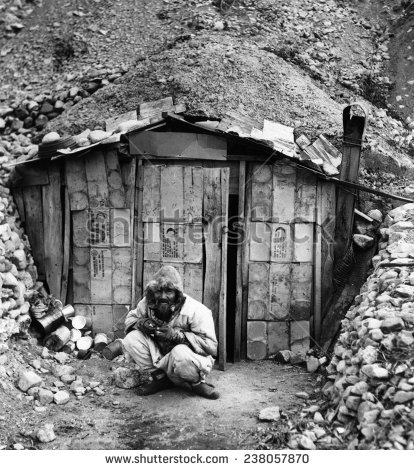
x=99 y=192
x=281 y=256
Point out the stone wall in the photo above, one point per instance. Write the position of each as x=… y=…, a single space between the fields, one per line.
x=371 y=381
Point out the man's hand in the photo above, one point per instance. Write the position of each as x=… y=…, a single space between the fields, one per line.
x=146 y=326
x=175 y=335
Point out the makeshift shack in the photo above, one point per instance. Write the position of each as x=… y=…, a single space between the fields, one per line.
x=245 y=215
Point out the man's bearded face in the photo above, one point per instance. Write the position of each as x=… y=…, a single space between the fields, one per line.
x=165 y=298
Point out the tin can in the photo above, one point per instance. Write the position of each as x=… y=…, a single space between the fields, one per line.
x=56 y=340
x=69 y=347
x=100 y=341
x=113 y=350
x=81 y=323
x=84 y=343
x=75 y=335
x=55 y=317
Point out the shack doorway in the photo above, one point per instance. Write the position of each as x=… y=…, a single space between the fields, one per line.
x=182 y=221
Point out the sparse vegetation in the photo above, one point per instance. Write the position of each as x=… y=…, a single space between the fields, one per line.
x=375 y=91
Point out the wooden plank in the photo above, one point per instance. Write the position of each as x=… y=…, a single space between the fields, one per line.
x=32 y=198
x=193 y=280
x=284 y=188
x=225 y=175
x=115 y=185
x=96 y=178
x=316 y=320
x=113 y=122
x=262 y=185
x=155 y=108
x=18 y=199
x=193 y=243
x=138 y=245
x=101 y=275
x=327 y=223
x=76 y=183
x=172 y=193
x=149 y=269
x=128 y=172
x=212 y=235
x=354 y=127
x=245 y=255
x=183 y=145
x=30 y=175
x=239 y=265
x=81 y=276
x=152 y=242
x=52 y=230
x=66 y=248
x=152 y=193
x=193 y=194
x=130 y=199
x=121 y=275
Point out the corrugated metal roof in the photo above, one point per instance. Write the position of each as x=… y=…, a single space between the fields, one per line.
x=269 y=136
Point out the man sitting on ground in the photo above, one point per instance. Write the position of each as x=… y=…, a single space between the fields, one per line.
x=171 y=335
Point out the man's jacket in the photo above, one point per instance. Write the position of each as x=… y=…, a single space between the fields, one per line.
x=194 y=318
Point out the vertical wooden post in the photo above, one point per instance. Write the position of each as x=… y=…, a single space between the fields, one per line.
x=223 y=288
x=317 y=268
x=32 y=198
x=52 y=230
x=245 y=261
x=354 y=120
x=239 y=273
x=66 y=247
x=138 y=237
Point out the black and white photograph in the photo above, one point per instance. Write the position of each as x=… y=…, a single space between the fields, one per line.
x=206 y=233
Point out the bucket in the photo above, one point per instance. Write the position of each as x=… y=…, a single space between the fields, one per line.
x=100 y=341
x=57 y=339
x=81 y=323
x=55 y=317
x=113 y=350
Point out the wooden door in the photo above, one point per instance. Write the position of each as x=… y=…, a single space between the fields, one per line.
x=182 y=219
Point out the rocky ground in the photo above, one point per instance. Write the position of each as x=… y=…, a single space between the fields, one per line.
x=69 y=65
x=53 y=401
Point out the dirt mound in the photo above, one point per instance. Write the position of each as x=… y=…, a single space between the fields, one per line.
x=213 y=76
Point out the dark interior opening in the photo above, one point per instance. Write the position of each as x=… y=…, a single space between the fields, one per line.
x=232 y=272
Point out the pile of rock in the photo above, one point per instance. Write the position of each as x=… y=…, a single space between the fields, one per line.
x=13 y=14
x=25 y=116
x=371 y=381
x=18 y=273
